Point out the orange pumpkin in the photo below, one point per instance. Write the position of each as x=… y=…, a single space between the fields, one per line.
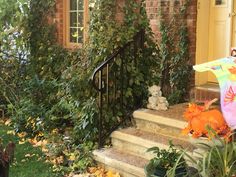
x=199 y=118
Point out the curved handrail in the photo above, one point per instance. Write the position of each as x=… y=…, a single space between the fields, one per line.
x=101 y=66
x=102 y=86
x=107 y=61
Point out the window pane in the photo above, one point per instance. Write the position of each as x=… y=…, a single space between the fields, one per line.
x=76 y=35
x=80 y=4
x=80 y=19
x=76 y=16
x=73 y=4
x=80 y=35
x=73 y=35
x=73 y=19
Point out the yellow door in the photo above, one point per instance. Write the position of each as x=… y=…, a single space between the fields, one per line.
x=219 y=31
x=233 y=15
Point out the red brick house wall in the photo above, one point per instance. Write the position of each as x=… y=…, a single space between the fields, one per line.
x=59 y=20
x=167 y=6
x=152 y=7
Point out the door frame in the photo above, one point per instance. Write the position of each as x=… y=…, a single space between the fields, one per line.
x=202 y=33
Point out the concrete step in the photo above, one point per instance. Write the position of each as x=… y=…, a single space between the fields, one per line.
x=137 y=141
x=170 y=121
x=127 y=165
x=128 y=155
x=207 y=91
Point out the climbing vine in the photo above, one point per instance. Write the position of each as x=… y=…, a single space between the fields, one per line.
x=53 y=90
x=46 y=87
x=175 y=63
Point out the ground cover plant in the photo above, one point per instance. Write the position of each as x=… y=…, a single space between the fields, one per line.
x=217 y=158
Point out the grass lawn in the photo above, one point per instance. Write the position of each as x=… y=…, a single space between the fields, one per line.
x=28 y=161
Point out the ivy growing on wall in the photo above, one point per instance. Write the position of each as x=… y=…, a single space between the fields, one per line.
x=175 y=63
x=54 y=86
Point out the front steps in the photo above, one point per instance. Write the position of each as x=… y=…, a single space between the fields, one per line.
x=127 y=165
x=128 y=154
x=207 y=91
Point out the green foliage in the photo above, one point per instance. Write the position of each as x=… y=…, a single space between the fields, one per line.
x=217 y=158
x=220 y=161
x=47 y=87
x=107 y=34
x=175 y=64
x=83 y=157
x=76 y=158
x=13 y=50
x=85 y=125
x=164 y=160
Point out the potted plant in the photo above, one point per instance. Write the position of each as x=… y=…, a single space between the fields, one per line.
x=164 y=160
x=219 y=161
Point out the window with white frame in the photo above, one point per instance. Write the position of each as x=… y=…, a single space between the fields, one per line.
x=75 y=21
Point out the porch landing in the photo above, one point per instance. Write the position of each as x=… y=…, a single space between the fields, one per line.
x=128 y=154
x=206 y=91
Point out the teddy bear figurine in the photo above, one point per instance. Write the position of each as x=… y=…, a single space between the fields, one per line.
x=156 y=101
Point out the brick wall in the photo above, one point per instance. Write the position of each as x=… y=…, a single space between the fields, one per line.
x=152 y=7
x=58 y=20
x=167 y=7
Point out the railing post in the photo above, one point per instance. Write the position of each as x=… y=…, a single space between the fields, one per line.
x=142 y=38
x=122 y=56
x=135 y=44
x=107 y=85
x=101 y=82
x=100 y=111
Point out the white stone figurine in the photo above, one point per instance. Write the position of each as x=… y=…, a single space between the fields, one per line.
x=156 y=101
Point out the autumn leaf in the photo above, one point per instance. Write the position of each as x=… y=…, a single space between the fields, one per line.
x=8 y=122
x=29 y=155
x=11 y=132
x=22 y=141
x=72 y=157
x=109 y=174
x=22 y=134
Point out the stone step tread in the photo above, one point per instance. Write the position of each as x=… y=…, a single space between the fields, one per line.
x=210 y=87
x=173 y=117
x=148 y=139
x=121 y=160
x=174 y=112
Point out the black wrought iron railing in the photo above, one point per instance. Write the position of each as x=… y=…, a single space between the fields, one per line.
x=112 y=80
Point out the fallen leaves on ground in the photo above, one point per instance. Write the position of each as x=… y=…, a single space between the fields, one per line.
x=96 y=172
x=40 y=141
x=29 y=155
x=22 y=134
x=101 y=172
x=7 y=122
